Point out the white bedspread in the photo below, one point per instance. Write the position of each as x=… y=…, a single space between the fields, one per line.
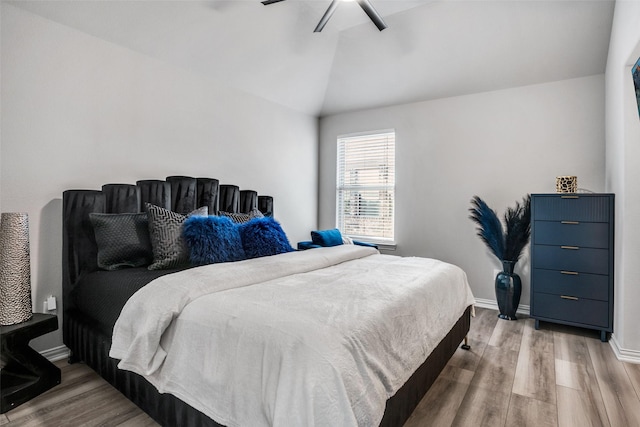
x=321 y=337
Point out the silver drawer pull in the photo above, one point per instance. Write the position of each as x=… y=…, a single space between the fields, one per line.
x=575 y=248
x=570 y=222
x=569 y=197
x=573 y=273
x=568 y=297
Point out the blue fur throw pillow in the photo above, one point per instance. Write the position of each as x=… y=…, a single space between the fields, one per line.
x=263 y=237
x=212 y=239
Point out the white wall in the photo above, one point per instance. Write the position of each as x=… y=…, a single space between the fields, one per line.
x=79 y=112
x=498 y=145
x=623 y=172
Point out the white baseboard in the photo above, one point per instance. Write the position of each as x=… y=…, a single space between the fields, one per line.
x=56 y=353
x=493 y=305
x=622 y=354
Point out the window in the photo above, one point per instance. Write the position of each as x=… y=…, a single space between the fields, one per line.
x=365 y=191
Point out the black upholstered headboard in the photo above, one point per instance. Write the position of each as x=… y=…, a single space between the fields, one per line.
x=180 y=194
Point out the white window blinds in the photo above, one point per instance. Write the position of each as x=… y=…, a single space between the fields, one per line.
x=366 y=186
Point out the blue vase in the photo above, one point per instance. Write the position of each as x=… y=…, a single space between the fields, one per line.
x=508 y=291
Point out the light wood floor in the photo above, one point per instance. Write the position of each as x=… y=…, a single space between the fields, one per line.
x=512 y=376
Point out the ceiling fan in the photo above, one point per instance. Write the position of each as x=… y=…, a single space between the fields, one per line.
x=364 y=4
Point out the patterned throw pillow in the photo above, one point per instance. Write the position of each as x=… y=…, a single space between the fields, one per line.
x=241 y=218
x=122 y=240
x=212 y=239
x=165 y=231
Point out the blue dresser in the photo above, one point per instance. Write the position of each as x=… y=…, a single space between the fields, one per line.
x=572 y=260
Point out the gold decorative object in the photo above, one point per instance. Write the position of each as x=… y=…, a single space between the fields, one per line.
x=566 y=184
x=15 y=269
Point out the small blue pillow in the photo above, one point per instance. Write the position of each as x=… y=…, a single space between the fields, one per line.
x=327 y=237
x=263 y=237
x=212 y=239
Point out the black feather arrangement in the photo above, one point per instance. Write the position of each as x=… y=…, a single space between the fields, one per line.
x=506 y=245
x=489 y=226
x=518 y=225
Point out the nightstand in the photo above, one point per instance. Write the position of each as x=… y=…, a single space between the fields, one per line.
x=24 y=373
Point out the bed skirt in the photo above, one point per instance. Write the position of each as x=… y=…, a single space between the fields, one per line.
x=88 y=344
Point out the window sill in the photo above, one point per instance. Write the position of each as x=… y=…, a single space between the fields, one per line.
x=386 y=246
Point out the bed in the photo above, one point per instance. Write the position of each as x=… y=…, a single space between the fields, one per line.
x=114 y=312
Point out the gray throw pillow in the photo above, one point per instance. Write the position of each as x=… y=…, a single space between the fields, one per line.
x=165 y=230
x=241 y=218
x=122 y=240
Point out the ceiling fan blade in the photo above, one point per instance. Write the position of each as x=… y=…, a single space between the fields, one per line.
x=325 y=18
x=268 y=2
x=373 y=14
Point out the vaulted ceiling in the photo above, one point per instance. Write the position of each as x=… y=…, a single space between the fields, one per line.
x=431 y=49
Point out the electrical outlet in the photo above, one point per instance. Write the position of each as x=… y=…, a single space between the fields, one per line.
x=49 y=304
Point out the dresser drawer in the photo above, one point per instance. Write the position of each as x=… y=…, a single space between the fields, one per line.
x=582 y=285
x=573 y=233
x=586 y=311
x=582 y=260
x=571 y=208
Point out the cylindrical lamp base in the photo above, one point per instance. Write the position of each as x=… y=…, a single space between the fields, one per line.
x=15 y=269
